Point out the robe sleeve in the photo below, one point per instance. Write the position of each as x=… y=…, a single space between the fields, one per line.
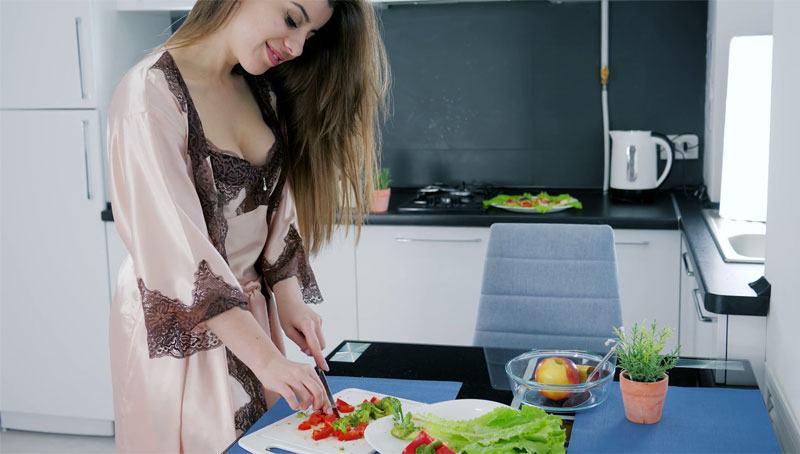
x=284 y=255
x=182 y=279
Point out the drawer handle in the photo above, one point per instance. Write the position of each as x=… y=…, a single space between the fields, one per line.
x=689 y=270
x=86 y=164
x=632 y=243
x=700 y=317
x=402 y=239
x=80 y=59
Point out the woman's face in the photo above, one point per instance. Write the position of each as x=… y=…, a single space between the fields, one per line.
x=265 y=33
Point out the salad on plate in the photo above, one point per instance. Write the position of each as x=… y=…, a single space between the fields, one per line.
x=539 y=203
x=468 y=427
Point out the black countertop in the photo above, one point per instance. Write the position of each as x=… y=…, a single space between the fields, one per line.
x=725 y=284
x=597 y=209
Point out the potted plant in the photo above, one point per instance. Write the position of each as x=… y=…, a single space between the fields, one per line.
x=643 y=380
x=382 y=192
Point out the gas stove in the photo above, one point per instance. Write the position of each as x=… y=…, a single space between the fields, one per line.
x=443 y=198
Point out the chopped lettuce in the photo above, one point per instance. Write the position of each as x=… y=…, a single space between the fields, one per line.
x=502 y=430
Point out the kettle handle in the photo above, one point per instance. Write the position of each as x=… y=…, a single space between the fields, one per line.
x=667 y=144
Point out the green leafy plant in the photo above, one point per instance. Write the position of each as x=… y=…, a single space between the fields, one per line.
x=382 y=179
x=639 y=353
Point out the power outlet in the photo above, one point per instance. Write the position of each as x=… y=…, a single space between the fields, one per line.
x=687 y=146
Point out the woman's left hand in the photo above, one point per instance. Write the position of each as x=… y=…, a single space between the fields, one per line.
x=300 y=323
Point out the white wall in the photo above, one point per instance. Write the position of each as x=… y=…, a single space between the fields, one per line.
x=726 y=19
x=783 y=226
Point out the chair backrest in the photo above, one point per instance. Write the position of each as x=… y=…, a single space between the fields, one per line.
x=549 y=286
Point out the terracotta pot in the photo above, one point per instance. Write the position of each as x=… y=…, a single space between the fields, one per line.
x=643 y=401
x=380 y=200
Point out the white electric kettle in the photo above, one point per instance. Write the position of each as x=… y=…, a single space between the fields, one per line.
x=634 y=164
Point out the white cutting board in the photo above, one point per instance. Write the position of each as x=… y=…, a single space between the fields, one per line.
x=284 y=434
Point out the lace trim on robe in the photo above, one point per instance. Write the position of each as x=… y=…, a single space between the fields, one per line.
x=175 y=329
x=293 y=262
x=198 y=152
x=251 y=411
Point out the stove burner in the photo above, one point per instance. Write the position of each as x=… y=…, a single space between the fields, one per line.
x=442 y=198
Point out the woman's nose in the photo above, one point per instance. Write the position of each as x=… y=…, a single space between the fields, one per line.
x=294 y=46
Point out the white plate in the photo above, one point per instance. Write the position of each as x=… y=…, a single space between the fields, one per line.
x=283 y=434
x=378 y=434
x=554 y=209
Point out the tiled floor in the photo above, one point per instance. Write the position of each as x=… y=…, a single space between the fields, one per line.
x=17 y=441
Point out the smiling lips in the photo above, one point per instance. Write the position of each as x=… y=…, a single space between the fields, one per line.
x=274 y=57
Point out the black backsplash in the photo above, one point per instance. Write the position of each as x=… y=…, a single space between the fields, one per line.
x=508 y=92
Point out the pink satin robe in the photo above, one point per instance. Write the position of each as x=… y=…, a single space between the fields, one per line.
x=205 y=231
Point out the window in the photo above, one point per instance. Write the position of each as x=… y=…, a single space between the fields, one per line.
x=745 y=155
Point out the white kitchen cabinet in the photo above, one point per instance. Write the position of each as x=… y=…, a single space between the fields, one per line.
x=335 y=269
x=419 y=284
x=649 y=277
x=61 y=61
x=155 y=5
x=747 y=339
x=186 y=5
x=48 y=55
x=55 y=360
x=703 y=334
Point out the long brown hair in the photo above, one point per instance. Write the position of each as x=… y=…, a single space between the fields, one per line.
x=331 y=101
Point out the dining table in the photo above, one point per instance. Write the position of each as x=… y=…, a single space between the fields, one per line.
x=703 y=412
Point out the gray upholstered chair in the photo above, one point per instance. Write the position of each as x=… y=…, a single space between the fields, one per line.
x=549 y=286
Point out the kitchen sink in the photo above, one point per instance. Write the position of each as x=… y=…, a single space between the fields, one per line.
x=737 y=241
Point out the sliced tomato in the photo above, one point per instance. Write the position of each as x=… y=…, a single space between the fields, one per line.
x=323 y=432
x=316 y=418
x=374 y=400
x=443 y=449
x=526 y=204
x=422 y=439
x=351 y=434
x=343 y=406
x=305 y=425
x=327 y=419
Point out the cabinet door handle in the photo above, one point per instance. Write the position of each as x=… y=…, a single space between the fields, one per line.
x=402 y=239
x=689 y=270
x=87 y=166
x=632 y=243
x=700 y=317
x=80 y=59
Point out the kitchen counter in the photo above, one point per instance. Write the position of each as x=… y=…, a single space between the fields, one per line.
x=597 y=209
x=725 y=285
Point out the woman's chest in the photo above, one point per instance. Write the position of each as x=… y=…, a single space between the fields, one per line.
x=232 y=121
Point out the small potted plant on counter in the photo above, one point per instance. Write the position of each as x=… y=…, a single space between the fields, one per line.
x=380 y=197
x=643 y=380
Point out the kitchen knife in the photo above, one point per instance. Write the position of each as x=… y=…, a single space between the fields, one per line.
x=324 y=381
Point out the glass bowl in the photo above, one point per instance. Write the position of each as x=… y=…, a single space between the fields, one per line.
x=559 y=398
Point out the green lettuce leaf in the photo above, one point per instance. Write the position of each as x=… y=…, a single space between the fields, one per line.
x=502 y=430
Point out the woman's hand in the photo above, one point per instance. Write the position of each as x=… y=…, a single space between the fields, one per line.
x=297 y=383
x=300 y=323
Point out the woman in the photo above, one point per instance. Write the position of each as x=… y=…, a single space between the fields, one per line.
x=256 y=121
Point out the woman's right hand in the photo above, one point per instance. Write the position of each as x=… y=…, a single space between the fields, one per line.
x=297 y=383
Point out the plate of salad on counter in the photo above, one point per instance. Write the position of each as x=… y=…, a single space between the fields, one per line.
x=467 y=426
x=528 y=203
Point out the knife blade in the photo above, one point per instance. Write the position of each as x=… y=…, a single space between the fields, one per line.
x=324 y=381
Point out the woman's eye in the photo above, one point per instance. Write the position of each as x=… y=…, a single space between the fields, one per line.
x=290 y=22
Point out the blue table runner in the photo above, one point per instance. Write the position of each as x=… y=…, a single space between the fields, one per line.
x=419 y=390
x=694 y=420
